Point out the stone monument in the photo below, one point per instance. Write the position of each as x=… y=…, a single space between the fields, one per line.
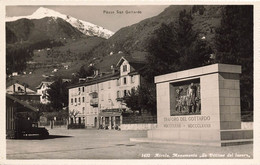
x=199 y=106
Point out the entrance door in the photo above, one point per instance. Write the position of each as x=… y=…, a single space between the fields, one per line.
x=95 y=123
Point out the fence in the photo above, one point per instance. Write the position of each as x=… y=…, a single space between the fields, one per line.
x=55 y=123
x=139 y=119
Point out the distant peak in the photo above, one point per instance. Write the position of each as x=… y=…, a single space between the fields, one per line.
x=43 y=12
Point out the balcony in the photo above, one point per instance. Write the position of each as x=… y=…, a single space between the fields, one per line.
x=94 y=102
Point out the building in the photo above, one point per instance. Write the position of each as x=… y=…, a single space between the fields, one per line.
x=23 y=93
x=42 y=90
x=15 y=110
x=98 y=101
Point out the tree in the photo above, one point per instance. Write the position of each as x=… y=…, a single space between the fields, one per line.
x=234 y=45
x=132 y=99
x=83 y=73
x=176 y=47
x=58 y=94
x=163 y=56
x=143 y=98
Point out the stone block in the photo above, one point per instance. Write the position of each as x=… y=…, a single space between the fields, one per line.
x=230 y=101
x=237 y=101
x=229 y=68
x=237 y=85
x=221 y=84
x=224 y=93
x=229 y=84
x=247 y=134
x=235 y=109
x=225 y=109
x=210 y=135
x=184 y=135
x=194 y=72
x=224 y=125
x=234 y=125
x=234 y=93
x=183 y=74
x=235 y=117
x=210 y=69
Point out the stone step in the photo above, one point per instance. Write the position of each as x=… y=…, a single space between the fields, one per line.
x=201 y=143
x=236 y=134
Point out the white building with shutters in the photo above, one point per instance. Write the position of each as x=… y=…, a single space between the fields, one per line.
x=98 y=102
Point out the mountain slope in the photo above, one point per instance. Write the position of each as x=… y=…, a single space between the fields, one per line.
x=86 y=28
x=136 y=37
x=41 y=29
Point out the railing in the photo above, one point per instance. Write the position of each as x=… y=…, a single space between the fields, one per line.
x=139 y=119
x=76 y=126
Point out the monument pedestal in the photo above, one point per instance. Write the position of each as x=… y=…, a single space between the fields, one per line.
x=199 y=106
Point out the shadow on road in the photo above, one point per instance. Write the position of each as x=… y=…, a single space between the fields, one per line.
x=43 y=138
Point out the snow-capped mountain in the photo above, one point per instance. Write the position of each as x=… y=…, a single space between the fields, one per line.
x=86 y=28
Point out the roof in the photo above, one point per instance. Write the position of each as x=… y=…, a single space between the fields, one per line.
x=136 y=60
x=22 y=103
x=19 y=89
x=44 y=82
x=114 y=59
x=97 y=80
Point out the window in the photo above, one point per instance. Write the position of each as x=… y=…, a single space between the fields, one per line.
x=75 y=100
x=83 y=89
x=124 y=80
x=102 y=97
x=79 y=89
x=71 y=100
x=118 y=94
x=83 y=110
x=124 y=68
x=125 y=92
x=132 y=79
x=118 y=82
x=79 y=99
x=83 y=99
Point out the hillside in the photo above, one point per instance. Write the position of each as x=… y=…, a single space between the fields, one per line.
x=136 y=37
x=76 y=50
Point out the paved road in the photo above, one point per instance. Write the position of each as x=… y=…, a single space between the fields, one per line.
x=111 y=144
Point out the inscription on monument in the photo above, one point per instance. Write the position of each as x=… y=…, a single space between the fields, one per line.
x=185 y=98
x=187 y=122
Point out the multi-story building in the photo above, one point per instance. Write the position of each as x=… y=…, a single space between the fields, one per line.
x=42 y=90
x=98 y=102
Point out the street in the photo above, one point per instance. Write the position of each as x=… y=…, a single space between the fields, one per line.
x=111 y=144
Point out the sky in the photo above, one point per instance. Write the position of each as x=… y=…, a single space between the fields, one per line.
x=105 y=16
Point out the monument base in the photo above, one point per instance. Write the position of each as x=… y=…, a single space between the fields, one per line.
x=199 y=137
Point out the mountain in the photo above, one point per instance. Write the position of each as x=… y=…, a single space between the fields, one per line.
x=36 y=30
x=136 y=37
x=86 y=28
